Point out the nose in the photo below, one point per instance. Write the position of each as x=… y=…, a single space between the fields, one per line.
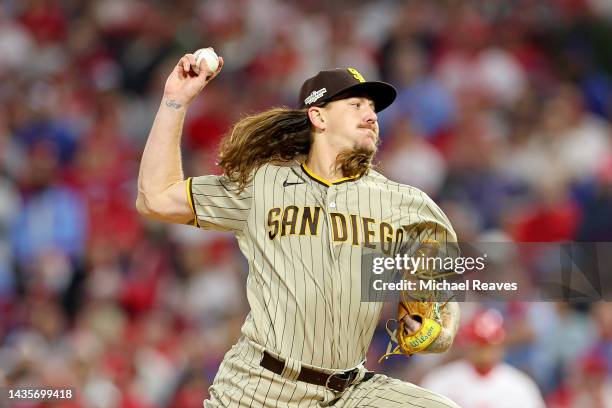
x=371 y=116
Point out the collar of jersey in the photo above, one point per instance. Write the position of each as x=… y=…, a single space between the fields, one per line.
x=325 y=182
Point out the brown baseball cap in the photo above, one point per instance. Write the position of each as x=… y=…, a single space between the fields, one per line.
x=342 y=83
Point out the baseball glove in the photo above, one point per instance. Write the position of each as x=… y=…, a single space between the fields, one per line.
x=422 y=306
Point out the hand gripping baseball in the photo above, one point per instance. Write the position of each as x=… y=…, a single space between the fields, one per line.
x=187 y=80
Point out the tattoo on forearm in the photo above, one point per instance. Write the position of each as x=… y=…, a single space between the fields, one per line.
x=173 y=104
x=450 y=317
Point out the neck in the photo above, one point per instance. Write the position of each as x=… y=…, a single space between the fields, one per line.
x=322 y=161
x=483 y=369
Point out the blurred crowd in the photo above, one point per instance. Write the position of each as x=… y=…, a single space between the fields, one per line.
x=503 y=116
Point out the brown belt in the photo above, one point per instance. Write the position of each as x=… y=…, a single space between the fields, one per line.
x=336 y=382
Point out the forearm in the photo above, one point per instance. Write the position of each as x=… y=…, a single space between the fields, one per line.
x=450 y=317
x=161 y=165
x=162 y=191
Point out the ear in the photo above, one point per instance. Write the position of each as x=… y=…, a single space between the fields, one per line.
x=317 y=117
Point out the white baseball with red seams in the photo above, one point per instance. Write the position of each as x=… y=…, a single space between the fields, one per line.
x=209 y=55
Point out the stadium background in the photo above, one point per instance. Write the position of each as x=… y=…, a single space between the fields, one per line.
x=503 y=116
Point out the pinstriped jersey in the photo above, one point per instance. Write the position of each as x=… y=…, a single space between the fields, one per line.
x=304 y=238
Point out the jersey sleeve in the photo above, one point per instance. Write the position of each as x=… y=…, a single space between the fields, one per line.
x=426 y=221
x=217 y=203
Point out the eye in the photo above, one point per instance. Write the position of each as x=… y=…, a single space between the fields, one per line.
x=356 y=104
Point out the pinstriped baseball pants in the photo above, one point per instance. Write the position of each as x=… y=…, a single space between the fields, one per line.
x=242 y=382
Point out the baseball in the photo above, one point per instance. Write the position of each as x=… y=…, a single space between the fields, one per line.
x=211 y=58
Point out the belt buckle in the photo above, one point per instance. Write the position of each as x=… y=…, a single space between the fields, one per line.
x=350 y=377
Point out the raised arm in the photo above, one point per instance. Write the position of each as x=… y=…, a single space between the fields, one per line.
x=162 y=190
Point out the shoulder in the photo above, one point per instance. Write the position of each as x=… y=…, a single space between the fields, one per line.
x=374 y=178
x=272 y=170
x=522 y=384
x=514 y=374
x=415 y=205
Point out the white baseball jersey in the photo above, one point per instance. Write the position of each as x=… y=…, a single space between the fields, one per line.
x=303 y=237
x=503 y=387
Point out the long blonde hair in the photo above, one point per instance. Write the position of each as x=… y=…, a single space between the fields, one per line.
x=280 y=136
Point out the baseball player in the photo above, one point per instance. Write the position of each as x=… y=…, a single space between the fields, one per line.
x=482 y=379
x=303 y=202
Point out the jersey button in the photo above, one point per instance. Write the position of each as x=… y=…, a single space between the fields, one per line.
x=332 y=204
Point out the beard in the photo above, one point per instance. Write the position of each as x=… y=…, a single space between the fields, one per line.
x=356 y=161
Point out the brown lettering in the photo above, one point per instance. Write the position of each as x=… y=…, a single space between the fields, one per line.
x=311 y=220
x=386 y=237
x=289 y=219
x=354 y=229
x=399 y=237
x=367 y=232
x=273 y=222
x=338 y=228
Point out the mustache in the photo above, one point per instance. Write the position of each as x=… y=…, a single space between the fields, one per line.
x=371 y=127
